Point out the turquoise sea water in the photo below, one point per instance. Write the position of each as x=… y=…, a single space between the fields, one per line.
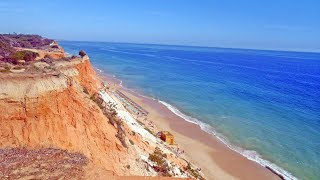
x=264 y=104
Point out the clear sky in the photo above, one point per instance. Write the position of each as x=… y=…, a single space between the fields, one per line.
x=257 y=24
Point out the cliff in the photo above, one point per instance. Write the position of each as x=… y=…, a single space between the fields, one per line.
x=49 y=118
x=53 y=112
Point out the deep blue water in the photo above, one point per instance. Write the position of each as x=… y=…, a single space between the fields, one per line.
x=263 y=101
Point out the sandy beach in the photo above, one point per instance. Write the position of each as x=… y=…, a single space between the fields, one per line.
x=215 y=159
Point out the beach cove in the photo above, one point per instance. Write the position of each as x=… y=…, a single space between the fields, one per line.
x=216 y=160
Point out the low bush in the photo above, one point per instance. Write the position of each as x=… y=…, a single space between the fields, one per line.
x=109 y=110
x=9 y=41
x=121 y=135
x=111 y=113
x=159 y=158
x=25 y=40
x=25 y=55
x=193 y=172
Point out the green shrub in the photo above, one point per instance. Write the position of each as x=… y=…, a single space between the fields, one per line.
x=25 y=55
x=193 y=172
x=159 y=158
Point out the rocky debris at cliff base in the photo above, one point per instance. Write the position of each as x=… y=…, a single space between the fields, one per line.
x=41 y=164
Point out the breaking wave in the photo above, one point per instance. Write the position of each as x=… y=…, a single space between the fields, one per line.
x=249 y=154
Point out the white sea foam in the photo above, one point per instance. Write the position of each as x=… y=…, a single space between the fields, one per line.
x=125 y=52
x=251 y=155
x=147 y=97
x=68 y=54
x=99 y=70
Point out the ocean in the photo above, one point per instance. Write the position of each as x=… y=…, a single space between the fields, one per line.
x=263 y=104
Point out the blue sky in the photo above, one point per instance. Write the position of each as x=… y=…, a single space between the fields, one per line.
x=257 y=24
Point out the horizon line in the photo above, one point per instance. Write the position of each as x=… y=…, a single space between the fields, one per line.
x=197 y=46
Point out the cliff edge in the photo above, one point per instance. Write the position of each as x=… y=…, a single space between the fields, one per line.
x=51 y=126
x=52 y=111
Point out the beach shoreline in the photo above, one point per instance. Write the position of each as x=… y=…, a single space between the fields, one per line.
x=216 y=159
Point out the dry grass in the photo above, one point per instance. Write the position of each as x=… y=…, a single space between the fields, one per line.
x=159 y=158
x=41 y=164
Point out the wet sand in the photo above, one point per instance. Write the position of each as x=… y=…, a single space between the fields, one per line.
x=216 y=160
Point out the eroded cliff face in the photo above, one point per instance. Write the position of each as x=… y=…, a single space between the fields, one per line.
x=88 y=77
x=55 y=111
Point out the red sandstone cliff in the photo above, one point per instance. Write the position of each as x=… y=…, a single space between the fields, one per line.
x=54 y=110
x=50 y=127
